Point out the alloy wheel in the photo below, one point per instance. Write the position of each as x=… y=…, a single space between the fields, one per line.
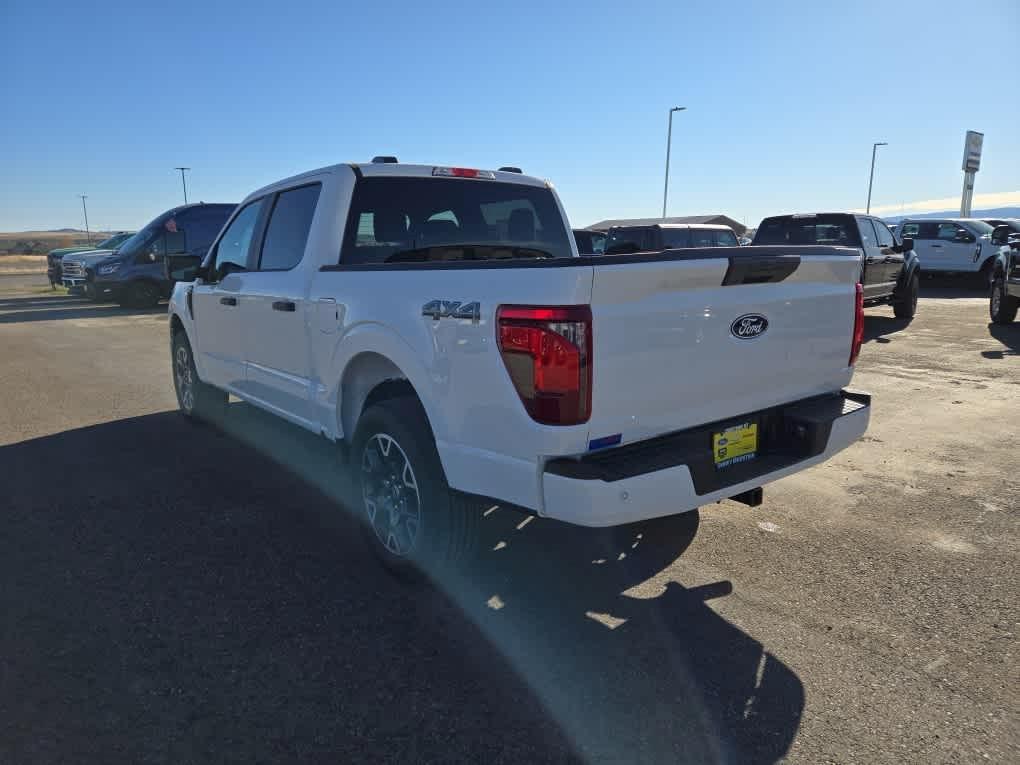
x=184 y=379
x=390 y=493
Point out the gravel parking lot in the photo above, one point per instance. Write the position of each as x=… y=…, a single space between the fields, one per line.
x=172 y=593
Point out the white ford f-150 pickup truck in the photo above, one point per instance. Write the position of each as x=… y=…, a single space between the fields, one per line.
x=439 y=323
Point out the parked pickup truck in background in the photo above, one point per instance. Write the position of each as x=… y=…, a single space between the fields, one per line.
x=890 y=272
x=953 y=246
x=54 y=259
x=589 y=242
x=133 y=273
x=664 y=236
x=439 y=322
x=1005 y=293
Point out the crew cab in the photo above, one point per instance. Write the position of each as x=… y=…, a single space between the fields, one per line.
x=54 y=259
x=133 y=273
x=439 y=323
x=890 y=272
x=1005 y=290
x=953 y=246
x=664 y=236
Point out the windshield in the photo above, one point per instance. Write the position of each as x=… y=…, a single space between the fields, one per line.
x=979 y=227
x=136 y=242
x=832 y=230
x=401 y=219
x=112 y=242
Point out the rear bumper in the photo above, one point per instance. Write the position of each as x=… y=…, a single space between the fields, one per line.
x=676 y=473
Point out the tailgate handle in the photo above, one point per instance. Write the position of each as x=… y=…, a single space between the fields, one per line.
x=759 y=269
x=284 y=305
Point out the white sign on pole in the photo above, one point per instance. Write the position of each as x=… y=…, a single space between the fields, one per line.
x=972 y=151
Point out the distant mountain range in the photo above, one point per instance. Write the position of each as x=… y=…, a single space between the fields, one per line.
x=995 y=212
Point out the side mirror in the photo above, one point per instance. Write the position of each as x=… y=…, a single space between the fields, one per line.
x=1000 y=235
x=182 y=267
x=907 y=244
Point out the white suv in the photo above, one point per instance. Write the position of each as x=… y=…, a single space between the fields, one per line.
x=952 y=245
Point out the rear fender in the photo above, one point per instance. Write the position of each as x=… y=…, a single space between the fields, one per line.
x=391 y=358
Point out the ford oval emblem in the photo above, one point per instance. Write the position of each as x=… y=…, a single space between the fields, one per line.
x=749 y=326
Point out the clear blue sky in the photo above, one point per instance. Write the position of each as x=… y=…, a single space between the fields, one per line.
x=784 y=100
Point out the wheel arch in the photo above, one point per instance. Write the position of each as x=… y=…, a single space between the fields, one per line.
x=371 y=378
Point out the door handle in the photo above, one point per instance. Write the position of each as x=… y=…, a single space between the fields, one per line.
x=228 y=301
x=284 y=305
x=937 y=246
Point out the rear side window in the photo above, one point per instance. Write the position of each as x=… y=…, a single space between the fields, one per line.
x=867 y=232
x=406 y=220
x=283 y=245
x=625 y=240
x=831 y=230
x=713 y=237
x=676 y=237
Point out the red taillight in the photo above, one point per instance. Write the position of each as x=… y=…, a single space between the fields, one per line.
x=855 y=345
x=547 y=352
x=463 y=172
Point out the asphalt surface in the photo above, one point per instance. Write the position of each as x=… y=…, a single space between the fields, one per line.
x=174 y=593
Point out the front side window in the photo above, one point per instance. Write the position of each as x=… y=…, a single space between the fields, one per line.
x=402 y=220
x=725 y=238
x=233 y=247
x=885 y=237
x=287 y=232
x=702 y=237
x=947 y=232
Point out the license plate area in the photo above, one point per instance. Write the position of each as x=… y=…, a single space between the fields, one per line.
x=735 y=444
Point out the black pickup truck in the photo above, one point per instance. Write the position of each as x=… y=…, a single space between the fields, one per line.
x=1005 y=297
x=891 y=270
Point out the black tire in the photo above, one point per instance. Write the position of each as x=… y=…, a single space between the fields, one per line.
x=906 y=306
x=416 y=526
x=1002 y=307
x=140 y=294
x=196 y=399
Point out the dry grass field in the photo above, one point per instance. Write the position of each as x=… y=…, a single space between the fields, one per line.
x=41 y=242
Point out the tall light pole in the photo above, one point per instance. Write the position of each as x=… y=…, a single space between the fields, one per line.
x=669 y=141
x=871 y=178
x=183 y=182
x=88 y=234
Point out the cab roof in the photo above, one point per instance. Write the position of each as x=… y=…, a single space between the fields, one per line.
x=392 y=169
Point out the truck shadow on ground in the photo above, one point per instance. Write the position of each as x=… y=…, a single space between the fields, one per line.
x=952 y=287
x=1009 y=336
x=876 y=328
x=56 y=307
x=180 y=592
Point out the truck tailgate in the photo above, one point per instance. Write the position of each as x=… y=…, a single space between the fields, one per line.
x=697 y=336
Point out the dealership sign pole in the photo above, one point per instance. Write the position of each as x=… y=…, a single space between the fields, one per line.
x=971 y=164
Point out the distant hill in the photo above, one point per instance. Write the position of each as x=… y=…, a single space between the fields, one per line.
x=994 y=212
x=41 y=242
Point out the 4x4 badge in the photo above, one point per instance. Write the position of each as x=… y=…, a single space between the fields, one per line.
x=452 y=309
